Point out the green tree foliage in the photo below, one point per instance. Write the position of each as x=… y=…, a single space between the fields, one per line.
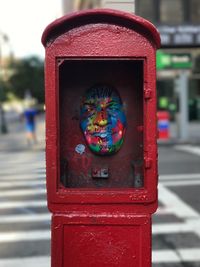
x=27 y=75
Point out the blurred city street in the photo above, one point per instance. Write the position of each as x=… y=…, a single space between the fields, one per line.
x=176 y=235
x=25 y=220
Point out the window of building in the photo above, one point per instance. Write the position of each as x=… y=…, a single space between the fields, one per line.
x=171 y=11
x=195 y=11
x=147 y=9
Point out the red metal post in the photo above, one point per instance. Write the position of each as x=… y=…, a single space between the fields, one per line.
x=100 y=71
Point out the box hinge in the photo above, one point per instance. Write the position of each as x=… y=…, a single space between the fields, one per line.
x=147 y=93
x=147 y=163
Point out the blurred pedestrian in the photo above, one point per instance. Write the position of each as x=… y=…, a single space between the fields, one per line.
x=30 y=113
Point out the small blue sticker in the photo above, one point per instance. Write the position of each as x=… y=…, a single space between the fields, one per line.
x=80 y=149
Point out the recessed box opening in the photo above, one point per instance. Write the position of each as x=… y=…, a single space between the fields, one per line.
x=101 y=123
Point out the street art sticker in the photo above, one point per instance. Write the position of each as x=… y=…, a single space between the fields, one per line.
x=80 y=149
x=102 y=119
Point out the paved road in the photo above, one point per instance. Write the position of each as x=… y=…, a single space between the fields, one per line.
x=25 y=221
x=176 y=231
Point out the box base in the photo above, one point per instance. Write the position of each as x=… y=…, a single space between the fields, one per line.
x=103 y=240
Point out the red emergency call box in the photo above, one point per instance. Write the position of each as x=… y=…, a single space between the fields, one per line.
x=101 y=130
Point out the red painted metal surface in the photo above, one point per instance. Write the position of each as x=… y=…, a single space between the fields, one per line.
x=71 y=21
x=101 y=222
x=96 y=240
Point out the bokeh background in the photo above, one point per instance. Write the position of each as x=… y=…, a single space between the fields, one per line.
x=24 y=218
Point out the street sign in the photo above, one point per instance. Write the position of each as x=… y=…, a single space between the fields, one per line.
x=173 y=61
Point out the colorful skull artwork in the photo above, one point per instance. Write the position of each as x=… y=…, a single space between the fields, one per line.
x=102 y=120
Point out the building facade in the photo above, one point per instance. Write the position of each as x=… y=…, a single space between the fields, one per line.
x=178 y=22
x=124 y=5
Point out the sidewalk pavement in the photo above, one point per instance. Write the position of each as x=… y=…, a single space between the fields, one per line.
x=15 y=139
